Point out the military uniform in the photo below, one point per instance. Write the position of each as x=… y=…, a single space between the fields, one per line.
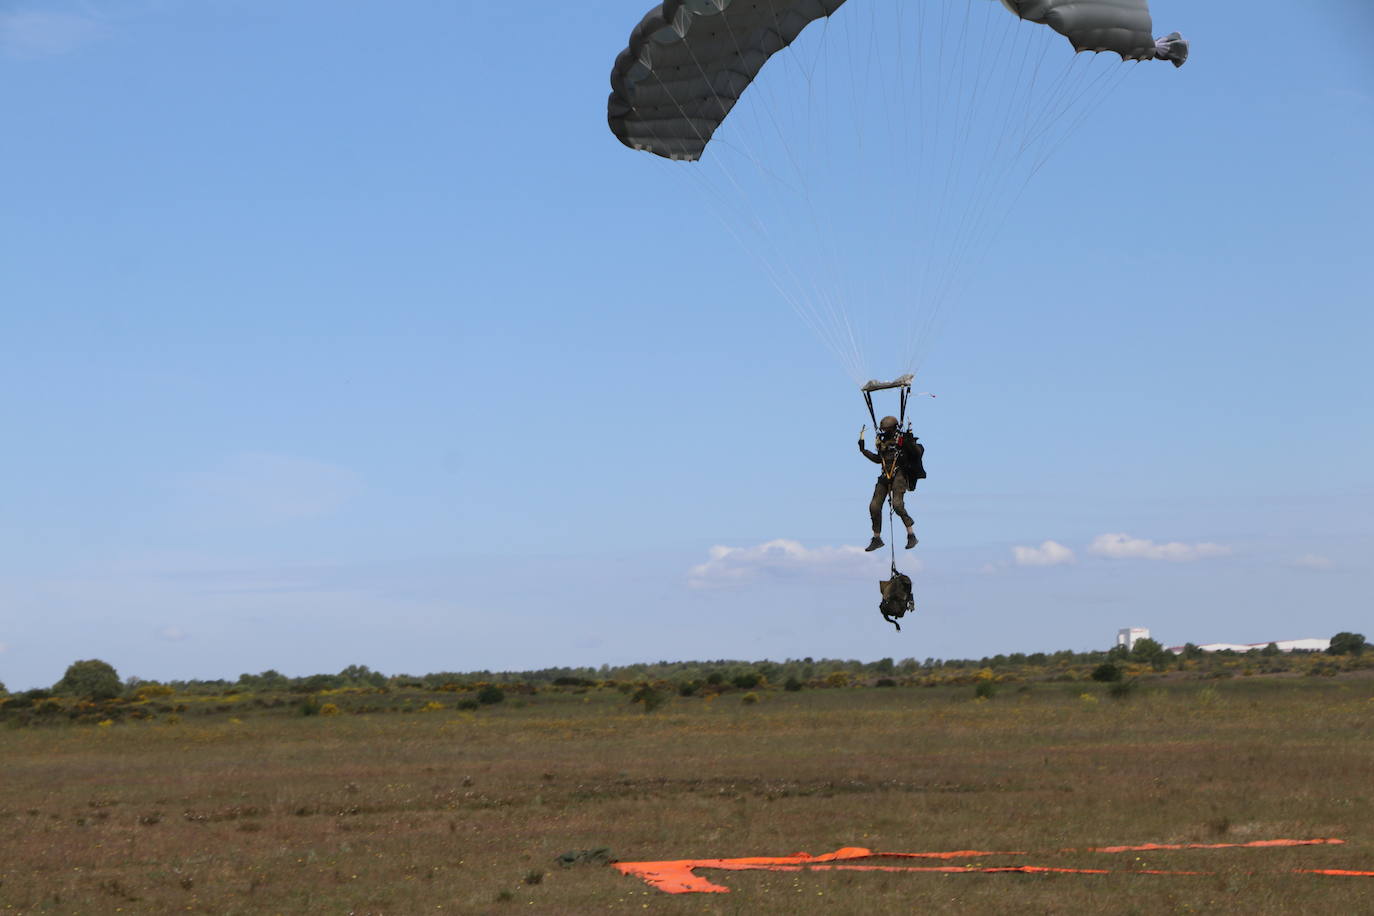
x=897 y=455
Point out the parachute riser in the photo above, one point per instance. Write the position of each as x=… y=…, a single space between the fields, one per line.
x=904 y=386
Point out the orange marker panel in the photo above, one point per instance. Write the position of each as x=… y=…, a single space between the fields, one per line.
x=680 y=877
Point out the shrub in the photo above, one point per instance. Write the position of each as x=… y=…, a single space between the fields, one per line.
x=1107 y=672
x=467 y=703
x=792 y=684
x=651 y=698
x=885 y=682
x=1120 y=690
x=714 y=678
x=747 y=681
x=687 y=689
x=985 y=690
x=310 y=707
x=490 y=694
x=1347 y=644
x=90 y=680
x=150 y=691
x=749 y=699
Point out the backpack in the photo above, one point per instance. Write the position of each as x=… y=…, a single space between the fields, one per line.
x=911 y=462
x=898 y=600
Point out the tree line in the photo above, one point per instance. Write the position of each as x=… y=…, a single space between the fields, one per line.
x=97 y=680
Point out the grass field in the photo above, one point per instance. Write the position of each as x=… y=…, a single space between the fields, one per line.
x=245 y=809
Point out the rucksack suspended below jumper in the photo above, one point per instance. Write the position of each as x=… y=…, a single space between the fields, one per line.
x=898 y=600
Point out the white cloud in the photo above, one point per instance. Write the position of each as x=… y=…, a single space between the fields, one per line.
x=781 y=559
x=1313 y=561
x=1050 y=553
x=1125 y=547
x=33 y=35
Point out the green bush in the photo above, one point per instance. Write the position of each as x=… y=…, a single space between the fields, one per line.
x=90 y=680
x=311 y=706
x=747 y=681
x=1120 y=690
x=792 y=684
x=1107 y=672
x=467 y=703
x=490 y=694
x=1347 y=644
x=985 y=690
x=651 y=698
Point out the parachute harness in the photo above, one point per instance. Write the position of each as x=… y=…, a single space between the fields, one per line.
x=903 y=384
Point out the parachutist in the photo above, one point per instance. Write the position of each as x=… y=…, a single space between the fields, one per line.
x=900 y=455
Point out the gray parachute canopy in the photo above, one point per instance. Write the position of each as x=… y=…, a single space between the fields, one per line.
x=689 y=61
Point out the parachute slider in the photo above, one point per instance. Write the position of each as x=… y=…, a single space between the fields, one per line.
x=874 y=385
x=1173 y=48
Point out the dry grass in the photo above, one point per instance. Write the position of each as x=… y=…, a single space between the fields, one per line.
x=450 y=811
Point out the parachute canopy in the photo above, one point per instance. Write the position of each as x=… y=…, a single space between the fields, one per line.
x=868 y=164
x=689 y=61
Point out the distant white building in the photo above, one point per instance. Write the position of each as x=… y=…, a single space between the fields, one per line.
x=1285 y=645
x=1130 y=636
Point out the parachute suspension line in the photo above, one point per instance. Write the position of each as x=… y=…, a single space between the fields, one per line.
x=1041 y=137
x=840 y=278
x=973 y=215
x=842 y=314
x=980 y=244
x=825 y=314
x=723 y=208
x=960 y=143
x=838 y=306
x=1108 y=84
x=804 y=309
x=935 y=204
x=920 y=216
x=950 y=151
x=980 y=235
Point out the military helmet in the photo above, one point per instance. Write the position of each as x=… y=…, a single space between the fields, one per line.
x=887 y=424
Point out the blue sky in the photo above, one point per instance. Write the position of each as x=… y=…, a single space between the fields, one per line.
x=334 y=335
